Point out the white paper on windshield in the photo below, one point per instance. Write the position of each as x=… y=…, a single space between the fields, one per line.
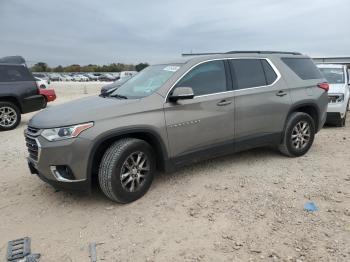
x=171 y=68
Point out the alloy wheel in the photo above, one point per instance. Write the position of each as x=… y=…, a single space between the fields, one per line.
x=301 y=135
x=134 y=171
x=8 y=116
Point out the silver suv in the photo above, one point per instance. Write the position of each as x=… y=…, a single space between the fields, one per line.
x=176 y=113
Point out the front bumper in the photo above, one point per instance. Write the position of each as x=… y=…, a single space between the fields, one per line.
x=70 y=153
x=337 y=108
x=77 y=186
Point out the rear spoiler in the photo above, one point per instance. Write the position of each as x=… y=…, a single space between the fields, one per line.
x=14 y=60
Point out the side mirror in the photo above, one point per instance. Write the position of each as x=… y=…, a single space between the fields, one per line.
x=181 y=93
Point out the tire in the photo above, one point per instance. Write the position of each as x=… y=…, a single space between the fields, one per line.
x=10 y=116
x=340 y=122
x=45 y=103
x=292 y=138
x=118 y=166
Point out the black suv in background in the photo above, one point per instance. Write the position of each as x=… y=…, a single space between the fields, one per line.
x=19 y=93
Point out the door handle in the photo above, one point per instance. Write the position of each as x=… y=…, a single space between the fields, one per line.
x=224 y=102
x=281 y=93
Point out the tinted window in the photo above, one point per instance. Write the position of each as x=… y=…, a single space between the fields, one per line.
x=248 y=73
x=303 y=67
x=12 y=73
x=206 y=78
x=270 y=74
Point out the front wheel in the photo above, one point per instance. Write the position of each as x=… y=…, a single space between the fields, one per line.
x=10 y=116
x=341 y=121
x=126 y=170
x=298 y=136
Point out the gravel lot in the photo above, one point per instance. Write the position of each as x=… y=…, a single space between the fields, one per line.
x=243 y=207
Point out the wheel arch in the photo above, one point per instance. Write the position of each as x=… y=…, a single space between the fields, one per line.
x=309 y=108
x=105 y=140
x=13 y=100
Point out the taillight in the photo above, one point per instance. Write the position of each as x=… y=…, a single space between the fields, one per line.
x=324 y=86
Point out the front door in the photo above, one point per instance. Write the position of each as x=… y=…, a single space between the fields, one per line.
x=205 y=122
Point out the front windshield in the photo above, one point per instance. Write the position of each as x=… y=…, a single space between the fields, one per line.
x=147 y=81
x=334 y=75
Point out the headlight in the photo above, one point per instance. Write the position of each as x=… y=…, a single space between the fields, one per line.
x=335 y=98
x=61 y=133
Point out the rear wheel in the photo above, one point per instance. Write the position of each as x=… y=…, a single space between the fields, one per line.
x=10 y=116
x=298 y=135
x=45 y=102
x=126 y=170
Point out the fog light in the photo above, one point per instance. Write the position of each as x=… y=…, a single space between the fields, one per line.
x=63 y=173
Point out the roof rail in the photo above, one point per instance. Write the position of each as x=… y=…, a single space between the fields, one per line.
x=263 y=52
x=195 y=54
x=17 y=60
x=242 y=52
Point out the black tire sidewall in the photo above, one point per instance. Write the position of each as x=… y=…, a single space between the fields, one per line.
x=14 y=107
x=45 y=102
x=117 y=188
x=294 y=120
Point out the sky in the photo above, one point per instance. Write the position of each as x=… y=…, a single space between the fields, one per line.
x=63 y=32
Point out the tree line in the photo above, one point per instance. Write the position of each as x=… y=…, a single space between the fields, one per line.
x=114 y=67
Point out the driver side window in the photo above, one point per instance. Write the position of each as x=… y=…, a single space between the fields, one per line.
x=206 y=78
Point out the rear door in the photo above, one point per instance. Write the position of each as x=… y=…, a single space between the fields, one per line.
x=206 y=121
x=262 y=101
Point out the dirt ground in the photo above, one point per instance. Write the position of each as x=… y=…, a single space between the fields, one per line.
x=243 y=207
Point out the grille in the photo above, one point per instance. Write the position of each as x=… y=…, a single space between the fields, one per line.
x=32 y=147
x=32 y=130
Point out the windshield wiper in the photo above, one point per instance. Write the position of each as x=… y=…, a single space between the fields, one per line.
x=118 y=96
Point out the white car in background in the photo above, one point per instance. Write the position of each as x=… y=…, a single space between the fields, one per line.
x=41 y=83
x=65 y=77
x=128 y=74
x=92 y=77
x=338 y=94
x=80 y=78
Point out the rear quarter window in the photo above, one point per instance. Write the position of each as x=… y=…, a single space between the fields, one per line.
x=270 y=74
x=303 y=67
x=248 y=73
x=14 y=73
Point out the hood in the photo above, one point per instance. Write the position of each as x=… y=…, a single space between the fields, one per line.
x=337 y=88
x=81 y=111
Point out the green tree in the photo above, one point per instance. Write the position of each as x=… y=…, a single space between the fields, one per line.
x=72 y=68
x=58 y=69
x=40 y=67
x=141 y=66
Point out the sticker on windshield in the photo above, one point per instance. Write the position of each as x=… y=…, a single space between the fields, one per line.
x=171 y=68
x=336 y=72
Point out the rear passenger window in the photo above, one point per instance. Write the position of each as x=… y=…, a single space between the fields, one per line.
x=270 y=74
x=248 y=73
x=303 y=67
x=206 y=78
x=13 y=73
